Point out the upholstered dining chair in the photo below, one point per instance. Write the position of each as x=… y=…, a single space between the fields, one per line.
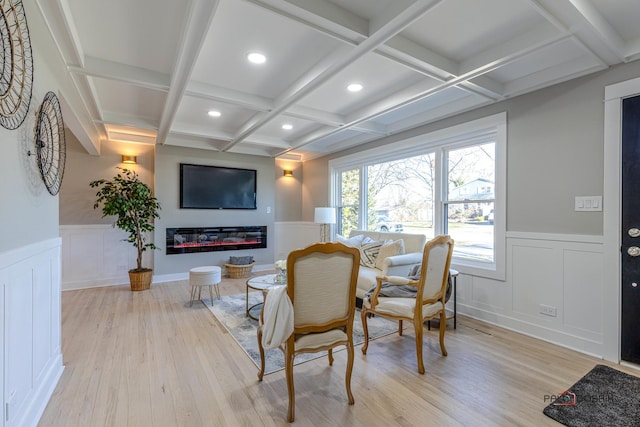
x=321 y=284
x=428 y=303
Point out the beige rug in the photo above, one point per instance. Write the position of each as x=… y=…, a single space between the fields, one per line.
x=230 y=311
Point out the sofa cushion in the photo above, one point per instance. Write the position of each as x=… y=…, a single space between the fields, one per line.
x=369 y=253
x=390 y=248
x=353 y=241
x=240 y=260
x=366 y=279
x=412 y=242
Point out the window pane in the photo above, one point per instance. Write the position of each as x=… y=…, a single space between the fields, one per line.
x=471 y=172
x=471 y=227
x=349 y=201
x=400 y=195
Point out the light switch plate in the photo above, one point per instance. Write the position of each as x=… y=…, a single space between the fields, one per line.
x=588 y=204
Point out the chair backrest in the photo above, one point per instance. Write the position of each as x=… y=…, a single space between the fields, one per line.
x=436 y=261
x=321 y=283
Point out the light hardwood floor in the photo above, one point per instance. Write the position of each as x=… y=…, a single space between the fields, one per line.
x=148 y=359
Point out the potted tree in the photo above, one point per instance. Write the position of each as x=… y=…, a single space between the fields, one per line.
x=135 y=207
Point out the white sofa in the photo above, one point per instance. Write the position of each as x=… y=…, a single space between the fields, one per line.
x=398 y=265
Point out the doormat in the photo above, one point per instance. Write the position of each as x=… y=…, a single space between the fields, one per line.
x=603 y=397
x=230 y=311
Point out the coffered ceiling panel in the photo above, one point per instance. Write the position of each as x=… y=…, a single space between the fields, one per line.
x=150 y=70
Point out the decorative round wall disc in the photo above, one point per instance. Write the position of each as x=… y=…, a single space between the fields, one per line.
x=51 y=147
x=16 y=67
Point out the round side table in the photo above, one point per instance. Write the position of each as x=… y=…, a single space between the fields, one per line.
x=259 y=283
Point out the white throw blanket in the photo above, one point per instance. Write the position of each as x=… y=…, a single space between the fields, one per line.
x=278 y=317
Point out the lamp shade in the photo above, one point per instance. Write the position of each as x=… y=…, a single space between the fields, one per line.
x=325 y=216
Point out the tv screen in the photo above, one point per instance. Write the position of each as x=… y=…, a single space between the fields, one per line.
x=215 y=187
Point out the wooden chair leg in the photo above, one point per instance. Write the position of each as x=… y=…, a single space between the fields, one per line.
x=261 y=350
x=365 y=329
x=443 y=328
x=330 y=353
x=347 y=377
x=289 y=374
x=418 y=327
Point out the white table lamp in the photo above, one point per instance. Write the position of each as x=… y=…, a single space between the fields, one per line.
x=325 y=217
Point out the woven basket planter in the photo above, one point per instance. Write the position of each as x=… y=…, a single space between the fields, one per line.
x=239 y=271
x=140 y=280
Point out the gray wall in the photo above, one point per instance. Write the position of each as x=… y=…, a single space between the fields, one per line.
x=555 y=152
x=288 y=191
x=167 y=178
x=76 y=197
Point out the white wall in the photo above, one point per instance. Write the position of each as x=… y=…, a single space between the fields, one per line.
x=563 y=272
x=31 y=338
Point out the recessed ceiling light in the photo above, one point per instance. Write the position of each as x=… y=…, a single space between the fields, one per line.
x=256 y=58
x=287 y=126
x=214 y=113
x=354 y=87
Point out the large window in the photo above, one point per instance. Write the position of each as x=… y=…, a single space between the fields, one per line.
x=447 y=182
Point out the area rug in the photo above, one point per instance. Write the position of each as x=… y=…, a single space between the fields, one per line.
x=230 y=311
x=603 y=397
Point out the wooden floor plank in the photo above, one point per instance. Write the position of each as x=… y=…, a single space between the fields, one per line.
x=148 y=359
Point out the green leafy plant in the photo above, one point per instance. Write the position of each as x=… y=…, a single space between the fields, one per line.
x=133 y=203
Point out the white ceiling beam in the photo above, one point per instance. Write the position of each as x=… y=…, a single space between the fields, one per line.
x=74 y=122
x=601 y=27
x=554 y=75
x=331 y=119
x=633 y=50
x=458 y=106
x=485 y=87
x=127 y=121
x=390 y=29
x=420 y=58
x=325 y=17
x=555 y=21
x=186 y=142
x=199 y=19
x=262 y=104
x=228 y=96
x=393 y=9
x=61 y=26
x=370 y=113
x=206 y=133
x=523 y=44
x=130 y=137
x=100 y=68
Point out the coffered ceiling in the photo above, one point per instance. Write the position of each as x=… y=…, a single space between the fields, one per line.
x=149 y=71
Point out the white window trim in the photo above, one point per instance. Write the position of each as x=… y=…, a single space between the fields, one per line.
x=459 y=135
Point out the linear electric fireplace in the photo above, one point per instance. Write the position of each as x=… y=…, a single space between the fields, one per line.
x=206 y=239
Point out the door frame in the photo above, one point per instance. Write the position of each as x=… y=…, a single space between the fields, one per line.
x=612 y=209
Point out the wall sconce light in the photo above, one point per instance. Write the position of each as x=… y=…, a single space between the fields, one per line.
x=131 y=160
x=287 y=172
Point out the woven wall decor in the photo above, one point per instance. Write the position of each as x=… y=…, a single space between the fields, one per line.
x=50 y=143
x=16 y=68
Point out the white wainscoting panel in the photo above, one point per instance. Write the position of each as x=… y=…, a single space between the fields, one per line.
x=563 y=272
x=31 y=324
x=97 y=255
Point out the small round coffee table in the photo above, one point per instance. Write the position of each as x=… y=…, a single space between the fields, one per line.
x=259 y=283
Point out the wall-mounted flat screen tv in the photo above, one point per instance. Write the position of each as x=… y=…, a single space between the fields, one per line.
x=215 y=187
